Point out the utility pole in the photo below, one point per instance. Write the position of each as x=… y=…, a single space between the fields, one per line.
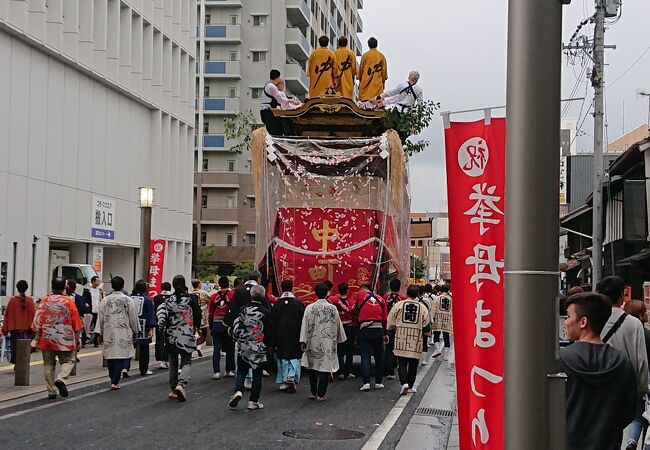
x=534 y=390
x=597 y=83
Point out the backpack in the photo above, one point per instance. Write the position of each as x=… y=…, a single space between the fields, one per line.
x=393 y=299
x=357 y=308
x=223 y=298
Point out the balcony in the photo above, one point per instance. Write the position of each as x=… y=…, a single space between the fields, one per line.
x=222 y=33
x=358 y=45
x=298 y=12
x=220 y=105
x=334 y=25
x=298 y=46
x=296 y=78
x=359 y=4
x=221 y=69
x=224 y=3
x=359 y=23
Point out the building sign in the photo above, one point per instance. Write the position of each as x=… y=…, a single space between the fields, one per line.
x=156 y=264
x=103 y=218
x=475 y=156
x=98 y=260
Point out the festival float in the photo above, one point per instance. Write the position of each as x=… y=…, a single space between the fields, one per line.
x=332 y=201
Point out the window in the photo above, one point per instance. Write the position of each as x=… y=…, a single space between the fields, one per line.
x=232 y=92
x=233 y=56
x=412 y=243
x=259 y=56
x=419 y=243
x=256 y=92
x=251 y=239
x=207 y=55
x=205 y=164
x=234 y=20
x=251 y=202
x=206 y=91
x=230 y=202
x=204 y=201
x=259 y=21
x=231 y=166
x=204 y=238
x=207 y=18
x=206 y=127
x=230 y=239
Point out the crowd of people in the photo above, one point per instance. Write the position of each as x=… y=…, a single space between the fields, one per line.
x=257 y=332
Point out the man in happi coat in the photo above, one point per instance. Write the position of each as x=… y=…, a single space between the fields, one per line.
x=441 y=319
x=410 y=320
x=346 y=64
x=322 y=68
x=320 y=334
x=373 y=72
x=287 y=319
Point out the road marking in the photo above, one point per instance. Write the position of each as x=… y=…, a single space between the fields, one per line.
x=40 y=361
x=384 y=428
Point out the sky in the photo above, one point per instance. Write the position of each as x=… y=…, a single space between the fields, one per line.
x=459 y=47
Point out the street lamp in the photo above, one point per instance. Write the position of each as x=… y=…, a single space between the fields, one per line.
x=146 y=203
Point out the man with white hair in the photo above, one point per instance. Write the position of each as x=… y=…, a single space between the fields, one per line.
x=405 y=95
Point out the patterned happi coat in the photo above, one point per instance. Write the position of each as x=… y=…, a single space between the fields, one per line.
x=178 y=316
x=56 y=323
x=441 y=313
x=322 y=331
x=118 y=323
x=410 y=320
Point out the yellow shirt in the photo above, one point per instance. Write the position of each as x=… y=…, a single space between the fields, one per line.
x=373 y=73
x=322 y=71
x=346 y=63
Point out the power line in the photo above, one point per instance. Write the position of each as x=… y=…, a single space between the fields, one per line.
x=629 y=68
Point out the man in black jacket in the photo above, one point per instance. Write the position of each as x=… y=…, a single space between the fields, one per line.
x=601 y=391
x=242 y=298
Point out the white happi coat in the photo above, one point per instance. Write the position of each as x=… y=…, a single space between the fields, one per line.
x=321 y=331
x=117 y=322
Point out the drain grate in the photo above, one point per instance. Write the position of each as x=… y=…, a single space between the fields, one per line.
x=434 y=412
x=325 y=434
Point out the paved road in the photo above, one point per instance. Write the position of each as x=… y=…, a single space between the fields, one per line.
x=141 y=416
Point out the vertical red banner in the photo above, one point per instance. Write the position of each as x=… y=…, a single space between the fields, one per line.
x=475 y=154
x=156 y=264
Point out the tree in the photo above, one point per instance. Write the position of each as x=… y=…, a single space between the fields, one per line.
x=238 y=128
x=418 y=267
x=243 y=268
x=204 y=270
x=412 y=122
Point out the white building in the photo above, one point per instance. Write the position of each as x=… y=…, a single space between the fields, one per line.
x=96 y=99
x=243 y=40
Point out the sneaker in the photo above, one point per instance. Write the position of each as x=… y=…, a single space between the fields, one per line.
x=51 y=396
x=125 y=373
x=283 y=386
x=379 y=386
x=164 y=365
x=412 y=390
x=265 y=373
x=436 y=353
x=391 y=377
x=405 y=389
x=234 y=400
x=248 y=384
x=230 y=374
x=631 y=445
x=351 y=375
x=63 y=390
x=255 y=405
x=341 y=377
x=216 y=376
x=424 y=362
x=172 y=396
x=365 y=387
x=291 y=386
x=311 y=397
x=180 y=393
x=147 y=373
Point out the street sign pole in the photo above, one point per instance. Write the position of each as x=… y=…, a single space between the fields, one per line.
x=532 y=226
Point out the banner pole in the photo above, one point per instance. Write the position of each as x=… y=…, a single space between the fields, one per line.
x=532 y=226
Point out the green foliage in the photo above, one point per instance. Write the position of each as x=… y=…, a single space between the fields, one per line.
x=412 y=122
x=203 y=269
x=242 y=268
x=418 y=267
x=238 y=128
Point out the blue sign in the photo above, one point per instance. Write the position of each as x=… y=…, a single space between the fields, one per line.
x=103 y=234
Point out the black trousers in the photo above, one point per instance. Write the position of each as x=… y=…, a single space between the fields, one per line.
x=318 y=382
x=408 y=370
x=161 y=350
x=273 y=124
x=143 y=360
x=445 y=337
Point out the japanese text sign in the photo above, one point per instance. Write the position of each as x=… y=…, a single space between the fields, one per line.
x=475 y=154
x=103 y=218
x=156 y=264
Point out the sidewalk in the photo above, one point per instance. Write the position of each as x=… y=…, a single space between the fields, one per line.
x=88 y=369
x=434 y=424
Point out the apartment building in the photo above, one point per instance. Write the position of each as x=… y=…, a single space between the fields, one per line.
x=241 y=42
x=96 y=100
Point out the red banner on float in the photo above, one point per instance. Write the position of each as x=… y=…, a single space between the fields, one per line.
x=475 y=154
x=337 y=244
x=156 y=264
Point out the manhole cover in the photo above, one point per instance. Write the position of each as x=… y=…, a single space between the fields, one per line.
x=434 y=412
x=325 y=434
